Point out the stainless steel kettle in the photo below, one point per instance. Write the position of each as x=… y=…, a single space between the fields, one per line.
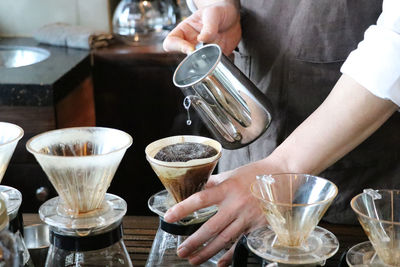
x=230 y=105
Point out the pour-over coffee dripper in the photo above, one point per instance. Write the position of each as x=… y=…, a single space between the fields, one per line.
x=378 y=214
x=10 y=134
x=85 y=221
x=181 y=179
x=293 y=204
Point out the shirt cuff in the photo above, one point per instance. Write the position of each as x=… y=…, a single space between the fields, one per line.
x=375 y=64
x=191 y=5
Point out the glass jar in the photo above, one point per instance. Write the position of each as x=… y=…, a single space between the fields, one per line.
x=144 y=22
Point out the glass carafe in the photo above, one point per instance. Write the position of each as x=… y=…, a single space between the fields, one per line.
x=103 y=248
x=16 y=225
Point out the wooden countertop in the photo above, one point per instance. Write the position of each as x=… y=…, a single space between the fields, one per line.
x=139 y=232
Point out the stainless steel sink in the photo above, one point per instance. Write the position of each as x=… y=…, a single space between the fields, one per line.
x=18 y=56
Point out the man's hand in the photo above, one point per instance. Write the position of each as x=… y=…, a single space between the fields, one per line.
x=217 y=23
x=238 y=212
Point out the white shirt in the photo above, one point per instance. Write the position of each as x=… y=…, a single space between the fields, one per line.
x=191 y=5
x=375 y=64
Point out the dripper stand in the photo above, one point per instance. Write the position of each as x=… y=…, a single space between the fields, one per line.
x=54 y=213
x=319 y=246
x=12 y=198
x=364 y=254
x=163 y=201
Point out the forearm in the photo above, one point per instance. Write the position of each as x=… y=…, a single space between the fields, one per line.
x=346 y=118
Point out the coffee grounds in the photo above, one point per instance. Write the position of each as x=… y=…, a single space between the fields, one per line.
x=183 y=152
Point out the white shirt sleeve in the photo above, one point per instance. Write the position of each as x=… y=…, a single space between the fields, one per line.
x=191 y=5
x=375 y=64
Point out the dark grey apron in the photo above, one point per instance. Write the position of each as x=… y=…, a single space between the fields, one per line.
x=293 y=50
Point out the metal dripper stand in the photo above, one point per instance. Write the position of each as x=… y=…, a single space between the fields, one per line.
x=377 y=212
x=85 y=222
x=181 y=179
x=293 y=204
x=10 y=134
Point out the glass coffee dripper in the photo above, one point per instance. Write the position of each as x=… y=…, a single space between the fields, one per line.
x=85 y=222
x=181 y=180
x=378 y=214
x=293 y=204
x=10 y=134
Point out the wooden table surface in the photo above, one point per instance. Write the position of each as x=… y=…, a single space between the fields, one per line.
x=139 y=232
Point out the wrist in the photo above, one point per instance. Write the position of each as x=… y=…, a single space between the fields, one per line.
x=274 y=164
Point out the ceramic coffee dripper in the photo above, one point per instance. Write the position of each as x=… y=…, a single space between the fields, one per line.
x=234 y=110
x=293 y=204
x=181 y=179
x=378 y=214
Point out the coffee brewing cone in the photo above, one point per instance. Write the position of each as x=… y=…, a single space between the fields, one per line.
x=377 y=212
x=293 y=204
x=10 y=134
x=182 y=179
x=80 y=163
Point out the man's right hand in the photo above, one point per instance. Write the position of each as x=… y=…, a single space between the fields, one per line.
x=218 y=22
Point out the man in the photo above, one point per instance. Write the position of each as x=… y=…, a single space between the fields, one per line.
x=293 y=51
